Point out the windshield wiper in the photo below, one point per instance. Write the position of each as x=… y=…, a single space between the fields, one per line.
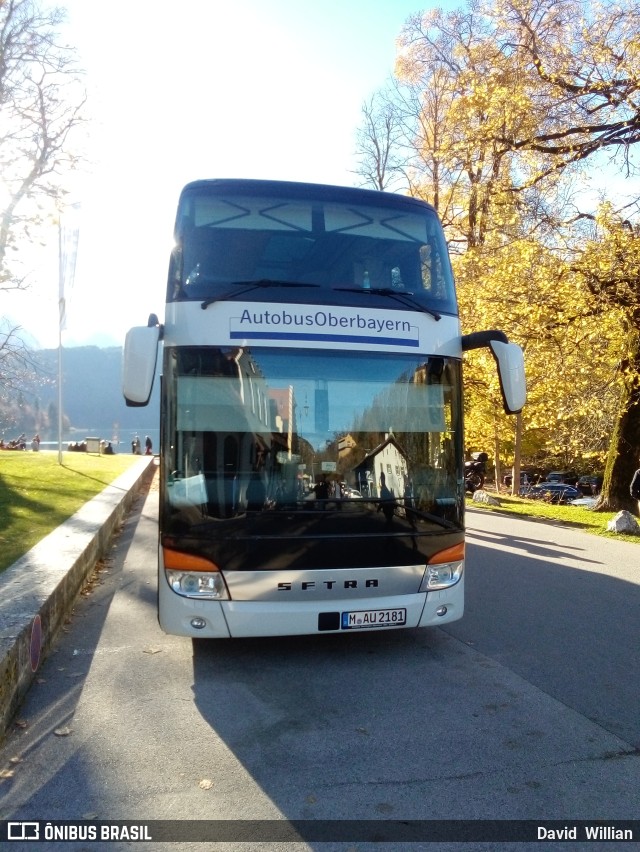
x=253 y=285
x=406 y=299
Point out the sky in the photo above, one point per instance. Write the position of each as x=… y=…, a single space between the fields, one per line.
x=199 y=89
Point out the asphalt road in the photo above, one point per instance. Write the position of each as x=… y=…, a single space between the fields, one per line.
x=562 y=610
x=526 y=709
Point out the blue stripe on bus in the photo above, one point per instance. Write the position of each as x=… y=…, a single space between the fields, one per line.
x=329 y=338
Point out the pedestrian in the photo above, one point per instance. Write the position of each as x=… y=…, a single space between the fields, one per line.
x=321 y=489
x=634 y=488
x=387 y=503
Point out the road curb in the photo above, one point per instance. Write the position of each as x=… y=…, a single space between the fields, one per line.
x=31 y=614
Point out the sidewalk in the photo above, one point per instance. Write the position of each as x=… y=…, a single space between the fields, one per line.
x=39 y=590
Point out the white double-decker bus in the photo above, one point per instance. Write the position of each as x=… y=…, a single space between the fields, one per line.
x=311 y=458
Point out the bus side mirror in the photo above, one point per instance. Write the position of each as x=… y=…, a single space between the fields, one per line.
x=139 y=365
x=513 y=384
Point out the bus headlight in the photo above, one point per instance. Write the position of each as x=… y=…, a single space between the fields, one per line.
x=444 y=569
x=193 y=576
x=192 y=584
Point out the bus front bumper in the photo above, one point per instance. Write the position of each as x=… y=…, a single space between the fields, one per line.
x=209 y=619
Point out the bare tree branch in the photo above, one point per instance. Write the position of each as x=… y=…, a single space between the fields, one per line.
x=41 y=100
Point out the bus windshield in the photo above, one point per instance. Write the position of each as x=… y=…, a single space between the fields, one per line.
x=228 y=239
x=257 y=445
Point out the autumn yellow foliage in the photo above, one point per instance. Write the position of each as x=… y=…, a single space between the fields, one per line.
x=499 y=113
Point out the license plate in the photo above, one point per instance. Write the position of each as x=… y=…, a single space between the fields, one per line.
x=364 y=618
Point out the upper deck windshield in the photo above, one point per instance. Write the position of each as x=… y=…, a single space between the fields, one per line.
x=331 y=244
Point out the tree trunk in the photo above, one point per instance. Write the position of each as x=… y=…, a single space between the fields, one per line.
x=496 y=454
x=515 y=482
x=624 y=451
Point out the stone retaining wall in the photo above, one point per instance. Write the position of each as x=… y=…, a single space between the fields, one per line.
x=38 y=591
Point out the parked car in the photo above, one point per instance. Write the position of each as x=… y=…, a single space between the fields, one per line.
x=589 y=485
x=552 y=492
x=567 y=476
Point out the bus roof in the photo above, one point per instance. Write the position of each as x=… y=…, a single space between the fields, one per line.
x=321 y=192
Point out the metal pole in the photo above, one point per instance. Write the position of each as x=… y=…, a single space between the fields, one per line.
x=59 y=397
x=60 y=308
x=67 y=253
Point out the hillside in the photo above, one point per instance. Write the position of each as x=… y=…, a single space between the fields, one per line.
x=92 y=399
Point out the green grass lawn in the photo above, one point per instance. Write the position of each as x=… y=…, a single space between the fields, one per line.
x=37 y=494
x=574 y=516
